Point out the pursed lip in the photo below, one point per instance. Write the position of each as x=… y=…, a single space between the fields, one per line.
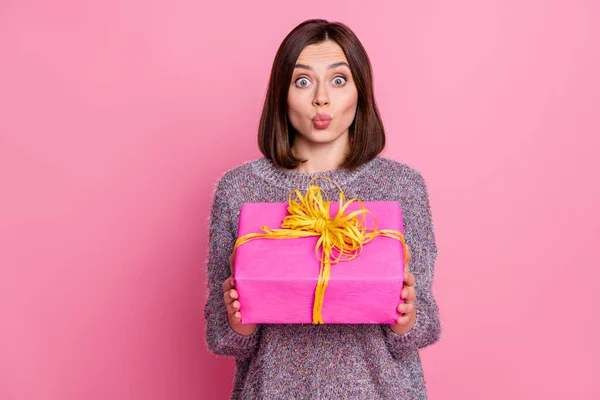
x=322 y=117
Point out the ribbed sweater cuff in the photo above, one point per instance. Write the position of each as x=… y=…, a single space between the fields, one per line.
x=400 y=342
x=237 y=344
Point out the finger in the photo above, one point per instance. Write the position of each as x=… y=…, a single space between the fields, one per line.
x=403 y=320
x=230 y=296
x=227 y=299
x=230 y=309
x=234 y=314
x=409 y=294
x=228 y=284
x=231 y=262
x=409 y=279
x=232 y=306
x=406 y=308
x=233 y=311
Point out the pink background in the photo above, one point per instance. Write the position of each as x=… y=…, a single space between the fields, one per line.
x=116 y=119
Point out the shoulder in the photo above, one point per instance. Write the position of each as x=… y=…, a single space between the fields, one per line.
x=400 y=172
x=236 y=177
x=239 y=174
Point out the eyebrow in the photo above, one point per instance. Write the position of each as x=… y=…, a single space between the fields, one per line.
x=334 y=65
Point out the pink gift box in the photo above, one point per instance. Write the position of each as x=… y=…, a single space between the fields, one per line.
x=276 y=278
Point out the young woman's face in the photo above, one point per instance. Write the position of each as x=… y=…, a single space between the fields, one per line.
x=322 y=87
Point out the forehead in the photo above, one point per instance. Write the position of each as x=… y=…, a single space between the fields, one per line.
x=321 y=53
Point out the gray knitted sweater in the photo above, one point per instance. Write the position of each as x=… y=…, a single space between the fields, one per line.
x=336 y=361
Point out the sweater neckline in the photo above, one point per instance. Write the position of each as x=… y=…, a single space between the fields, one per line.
x=291 y=179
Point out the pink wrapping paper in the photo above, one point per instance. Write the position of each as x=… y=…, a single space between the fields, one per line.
x=276 y=278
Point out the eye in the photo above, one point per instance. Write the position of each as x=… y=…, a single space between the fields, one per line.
x=302 y=82
x=339 y=80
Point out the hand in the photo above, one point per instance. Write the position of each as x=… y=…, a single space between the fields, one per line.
x=230 y=296
x=408 y=310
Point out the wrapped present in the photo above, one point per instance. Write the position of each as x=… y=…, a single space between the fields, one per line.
x=314 y=261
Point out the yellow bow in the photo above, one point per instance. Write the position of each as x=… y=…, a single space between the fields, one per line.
x=341 y=237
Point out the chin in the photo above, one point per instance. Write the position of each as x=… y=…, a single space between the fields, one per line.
x=322 y=136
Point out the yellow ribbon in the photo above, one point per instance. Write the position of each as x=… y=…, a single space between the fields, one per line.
x=341 y=237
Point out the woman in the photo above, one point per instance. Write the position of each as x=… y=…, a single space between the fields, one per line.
x=320 y=118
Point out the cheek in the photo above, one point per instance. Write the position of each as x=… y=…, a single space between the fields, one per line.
x=296 y=105
x=295 y=112
x=349 y=102
x=292 y=106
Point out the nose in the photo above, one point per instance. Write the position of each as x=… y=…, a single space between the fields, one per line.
x=321 y=96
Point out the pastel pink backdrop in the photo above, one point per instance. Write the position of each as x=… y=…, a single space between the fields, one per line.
x=117 y=118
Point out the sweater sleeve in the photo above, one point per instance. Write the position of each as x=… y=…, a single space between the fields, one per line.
x=220 y=338
x=419 y=236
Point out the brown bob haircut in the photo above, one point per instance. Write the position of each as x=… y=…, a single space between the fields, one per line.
x=275 y=132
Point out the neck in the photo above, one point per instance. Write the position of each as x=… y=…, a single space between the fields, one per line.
x=321 y=157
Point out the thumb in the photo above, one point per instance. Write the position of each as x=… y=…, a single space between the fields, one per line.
x=231 y=262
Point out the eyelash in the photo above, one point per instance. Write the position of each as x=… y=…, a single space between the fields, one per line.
x=335 y=77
